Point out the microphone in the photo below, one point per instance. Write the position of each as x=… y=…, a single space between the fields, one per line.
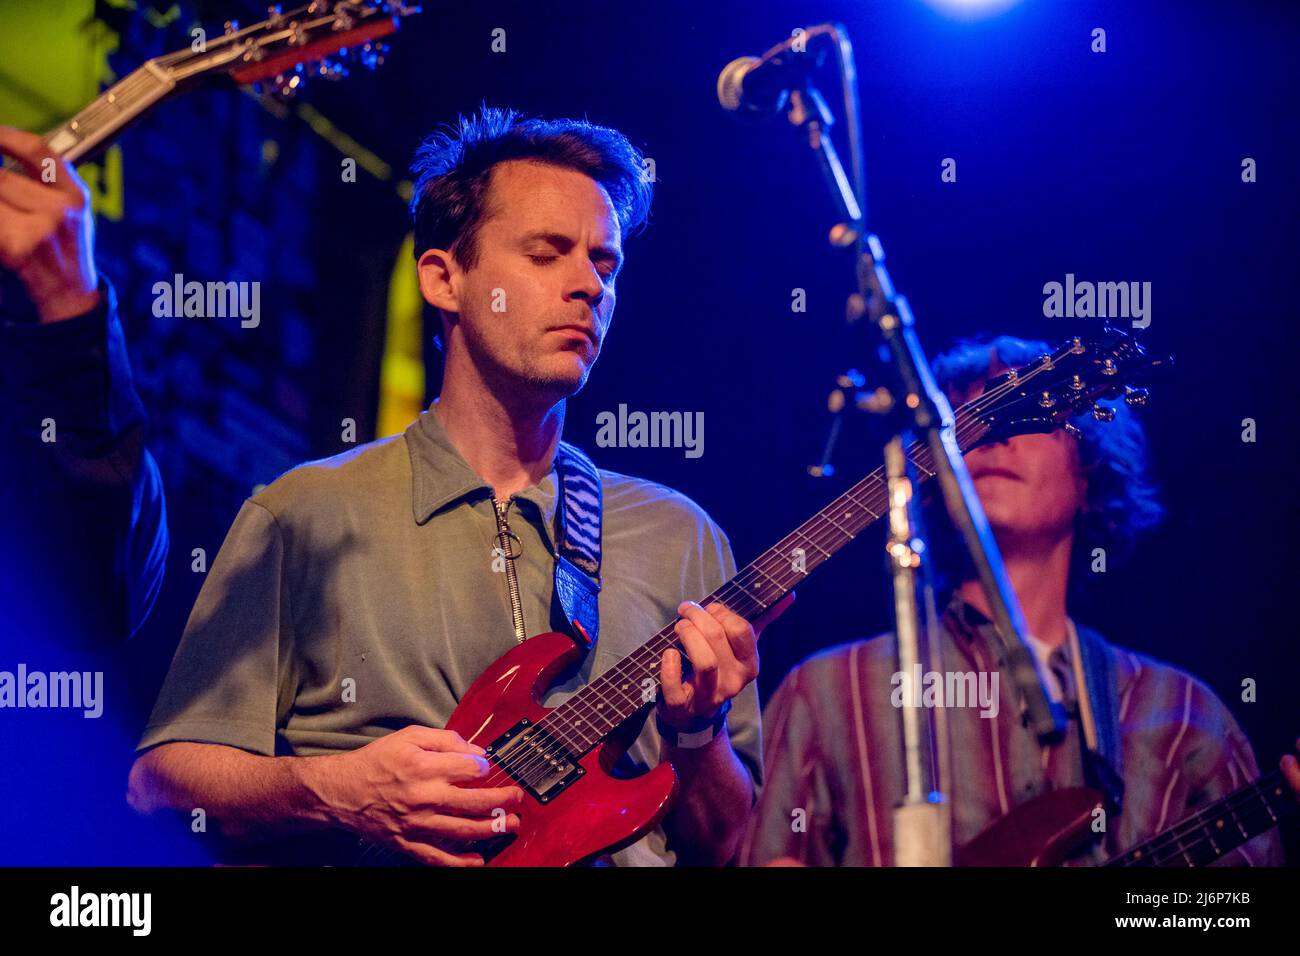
x=760 y=86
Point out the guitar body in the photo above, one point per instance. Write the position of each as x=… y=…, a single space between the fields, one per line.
x=597 y=812
x=1040 y=832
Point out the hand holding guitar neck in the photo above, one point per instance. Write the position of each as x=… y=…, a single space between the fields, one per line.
x=1291 y=771
x=722 y=648
x=46 y=231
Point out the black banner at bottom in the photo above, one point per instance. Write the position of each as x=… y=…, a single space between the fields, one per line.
x=257 y=904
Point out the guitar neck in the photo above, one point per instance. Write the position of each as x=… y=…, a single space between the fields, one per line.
x=1218 y=829
x=592 y=713
x=284 y=41
x=110 y=113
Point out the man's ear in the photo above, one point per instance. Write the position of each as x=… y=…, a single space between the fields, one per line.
x=437 y=269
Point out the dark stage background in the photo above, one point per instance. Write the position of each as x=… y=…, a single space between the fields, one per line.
x=1123 y=165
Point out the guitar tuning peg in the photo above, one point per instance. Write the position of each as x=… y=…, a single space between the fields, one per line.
x=1136 y=397
x=1103 y=414
x=274 y=15
x=371 y=56
x=285 y=86
x=331 y=69
x=232 y=27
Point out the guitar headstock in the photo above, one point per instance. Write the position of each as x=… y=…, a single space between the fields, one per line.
x=1050 y=391
x=314 y=39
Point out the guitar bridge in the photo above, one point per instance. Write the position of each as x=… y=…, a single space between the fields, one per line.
x=536 y=760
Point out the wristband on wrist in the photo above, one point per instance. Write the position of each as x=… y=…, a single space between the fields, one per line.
x=698 y=733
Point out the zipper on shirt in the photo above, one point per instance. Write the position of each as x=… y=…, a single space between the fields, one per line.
x=508 y=545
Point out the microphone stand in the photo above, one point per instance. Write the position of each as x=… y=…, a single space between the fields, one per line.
x=915 y=405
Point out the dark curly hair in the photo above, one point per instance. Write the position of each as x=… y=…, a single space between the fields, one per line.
x=1121 y=501
x=453 y=170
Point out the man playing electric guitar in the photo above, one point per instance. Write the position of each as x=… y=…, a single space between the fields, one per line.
x=356 y=598
x=1162 y=743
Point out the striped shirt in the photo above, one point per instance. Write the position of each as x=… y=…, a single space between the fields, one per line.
x=833 y=763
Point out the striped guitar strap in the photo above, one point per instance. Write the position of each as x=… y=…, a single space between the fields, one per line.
x=1103 y=753
x=577 y=561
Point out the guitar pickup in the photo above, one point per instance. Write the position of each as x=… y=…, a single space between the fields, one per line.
x=536 y=760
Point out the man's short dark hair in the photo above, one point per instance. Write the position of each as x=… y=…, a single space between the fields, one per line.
x=453 y=170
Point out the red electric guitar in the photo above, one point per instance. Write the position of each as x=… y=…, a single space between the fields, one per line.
x=563 y=757
x=1045 y=830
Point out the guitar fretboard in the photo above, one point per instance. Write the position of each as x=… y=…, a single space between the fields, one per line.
x=115 y=109
x=1218 y=829
x=592 y=713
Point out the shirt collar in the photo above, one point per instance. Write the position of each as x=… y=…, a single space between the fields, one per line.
x=441 y=476
x=973 y=623
x=969 y=620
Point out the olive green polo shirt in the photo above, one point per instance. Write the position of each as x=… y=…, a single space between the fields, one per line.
x=359 y=594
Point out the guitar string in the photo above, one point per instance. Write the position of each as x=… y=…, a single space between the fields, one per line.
x=126 y=95
x=1196 y=830
x=1189 y=837
x=542 y=757
x=226 y=39
x=141 y=83
x=179 y=58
